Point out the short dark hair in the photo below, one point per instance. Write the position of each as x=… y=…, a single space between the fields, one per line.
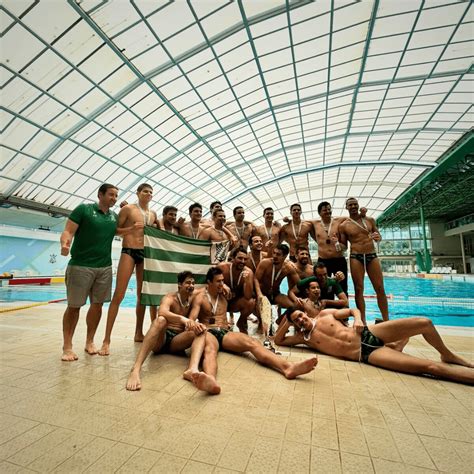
x=235 y=251
x=285 y=250
x=194 y=206
x=323 y=204
x=295 y=204
x=300 y=249
x=289 y=312
x=267 y=209
x=349 y=199
x=236 y=209
x=167 y=209
x=105 y=187
x=214 y=213
x=143 y=186
x=251 y=238
x=318 y=265
x=183 y=275
x=212 y=272
x=213 y=203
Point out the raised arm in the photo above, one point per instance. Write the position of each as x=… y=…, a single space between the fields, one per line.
x=344 y=314
x=247 y=275
x=258 y=276
x=281 y=337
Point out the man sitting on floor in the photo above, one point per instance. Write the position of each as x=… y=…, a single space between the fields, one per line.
x=328 y=335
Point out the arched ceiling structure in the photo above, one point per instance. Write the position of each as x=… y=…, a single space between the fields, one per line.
x=259 y=103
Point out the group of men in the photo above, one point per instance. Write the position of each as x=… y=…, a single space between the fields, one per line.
x=257 y=266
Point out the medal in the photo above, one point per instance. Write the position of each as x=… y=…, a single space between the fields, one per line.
x=328 y=241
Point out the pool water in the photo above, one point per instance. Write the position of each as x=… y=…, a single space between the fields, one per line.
x=449 y=303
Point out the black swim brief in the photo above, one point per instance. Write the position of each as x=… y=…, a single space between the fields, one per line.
x=138 y=255
x=368 y=344
x=169 y=336
x=272 y=297
x=219 y=334
x=364 y=258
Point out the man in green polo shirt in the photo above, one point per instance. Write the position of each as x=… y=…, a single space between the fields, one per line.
x=89 y=272
x=332 y=294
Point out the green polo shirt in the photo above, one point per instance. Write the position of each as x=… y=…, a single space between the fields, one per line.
x=92 y=245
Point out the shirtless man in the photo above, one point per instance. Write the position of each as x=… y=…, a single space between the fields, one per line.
x=328 y=335
x=131 y=259
x=296 y=232
x=268 y=231
x=211 y=308
x=362 y=232
x=239 y=279
x=215 y=206
x=271 y=272
x=242 y=230
x=168 y=221
x=193 y=228
x=302 y=265
x=256 y=254
x=173 y=332
x=218 y=232
x=330 y=250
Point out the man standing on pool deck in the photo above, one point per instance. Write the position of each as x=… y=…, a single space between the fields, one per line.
x=362 y=232
x=369 y=344
x=89 y=272
x=210 y=307
x=131 y=258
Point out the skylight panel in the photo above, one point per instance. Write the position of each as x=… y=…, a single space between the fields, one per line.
x=221 y=20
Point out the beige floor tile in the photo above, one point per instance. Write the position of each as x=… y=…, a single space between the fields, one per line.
x=343 y=416
x=141 y=461
x=325 y=461
x=383 y=466
x=168 y=464
x=444 y=456
x=412 y=450
x=9 y=468
x=294 y=457
x=353 y=463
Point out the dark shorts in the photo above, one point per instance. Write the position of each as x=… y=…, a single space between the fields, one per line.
x=333 y=265
x=219 y=334
x=368 y=344
x=138 y=255
x=272 y=297
x=364 y=258
x=169 y=336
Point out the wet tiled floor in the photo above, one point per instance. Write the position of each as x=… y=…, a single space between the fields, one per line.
x=343 y=417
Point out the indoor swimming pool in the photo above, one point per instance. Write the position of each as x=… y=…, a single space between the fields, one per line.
x=448 y=303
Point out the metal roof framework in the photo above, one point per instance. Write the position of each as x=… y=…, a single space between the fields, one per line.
x=446 y=192
x=252 y=103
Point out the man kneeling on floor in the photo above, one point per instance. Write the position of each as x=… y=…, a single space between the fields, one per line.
x=210 y=307
x=328 y=335
x=173 y=332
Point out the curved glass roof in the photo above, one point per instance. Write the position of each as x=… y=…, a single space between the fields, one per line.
x=253 y=103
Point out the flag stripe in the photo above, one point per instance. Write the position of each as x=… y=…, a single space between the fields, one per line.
x=178 y=257
x=165 y=256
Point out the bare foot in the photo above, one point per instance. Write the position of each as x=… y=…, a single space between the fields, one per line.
x=205 y=382
x=188 y=374
x=139 y=338
x=300 y=368
x=104 y=350
x=133 y=382
x=69 y=355
x=451 y=358
x=90 y=348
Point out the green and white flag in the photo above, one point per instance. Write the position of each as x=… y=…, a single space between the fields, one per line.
x=168 y=254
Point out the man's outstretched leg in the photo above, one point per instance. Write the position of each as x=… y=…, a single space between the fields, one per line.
x=70 y=318
x=391 y=331
x=236 y=342
x=388 y=358
x=154 y=339
x=206 y=380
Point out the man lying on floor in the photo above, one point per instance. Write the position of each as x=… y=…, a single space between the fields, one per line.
x=327 y=334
